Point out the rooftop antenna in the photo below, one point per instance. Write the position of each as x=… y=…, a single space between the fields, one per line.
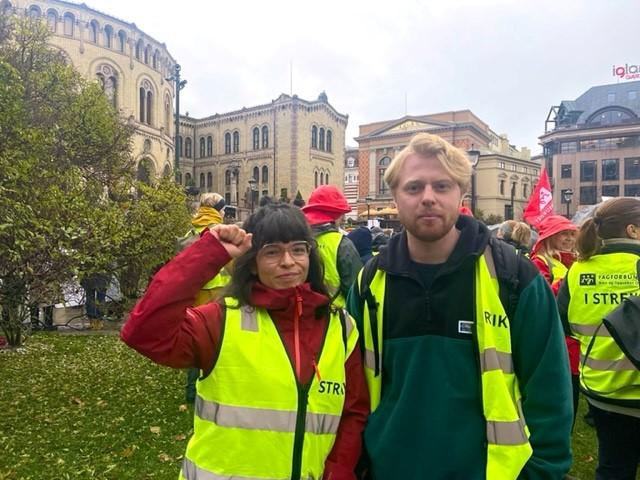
x=291 y=77
x=405 y=104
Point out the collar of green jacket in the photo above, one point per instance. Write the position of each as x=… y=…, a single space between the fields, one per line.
x=474 y=237
x=620 y=245
x=324 y=227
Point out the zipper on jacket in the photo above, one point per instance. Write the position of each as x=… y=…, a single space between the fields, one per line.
x=296 y=334
x=298 y=439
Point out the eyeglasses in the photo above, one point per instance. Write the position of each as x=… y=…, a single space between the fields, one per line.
x=273 y=252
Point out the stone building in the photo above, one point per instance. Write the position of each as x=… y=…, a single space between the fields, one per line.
x=274 y=149
x=501 y=169
x=130 y=65
x=351 y=181
x=591 y=146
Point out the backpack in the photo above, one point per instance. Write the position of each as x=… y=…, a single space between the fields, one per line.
x=505 y=259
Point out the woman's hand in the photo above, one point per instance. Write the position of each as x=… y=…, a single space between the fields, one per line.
x=234 y=239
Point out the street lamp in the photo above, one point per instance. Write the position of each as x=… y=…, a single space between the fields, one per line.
x=368 y=199
x=253 y=185
x=179 y=85
x=567 y=195
x=474 y=158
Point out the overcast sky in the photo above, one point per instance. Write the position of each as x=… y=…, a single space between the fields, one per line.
x=508 y=61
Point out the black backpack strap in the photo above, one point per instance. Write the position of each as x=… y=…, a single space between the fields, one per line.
x=343 y=325
x=368 y=272
x=506 y=261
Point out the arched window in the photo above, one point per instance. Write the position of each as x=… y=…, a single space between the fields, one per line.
x=383 y=164
x=52 y=20
x=34 y=11
x=315 y=183
x=93 y=31
x=314 y=137
x=326 y=178
x=187 y=147
x=209 y=181
x=179 y=146
x=256 y=138
x=227 y=142
x=167 y=113
x=146 y=171
x=108 y=79
x=202 y=184
x=167 y=171
x=139 y=47
x=187 y=180
x=265 y=174
x=179 y=178
x=256 y=174
x=265 y=137
x=329 y=141
x=209 y=146
x=108 y=36
x=227 y=177
x=122 y=40
x=147 y=54
x=69 y=21
x=155 y=63
x=202 y=147
x=236 y=141
x=321 y=139
x=146 y=102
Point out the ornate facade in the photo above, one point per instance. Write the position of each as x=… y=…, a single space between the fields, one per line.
x=131 y=66
x=275 y=149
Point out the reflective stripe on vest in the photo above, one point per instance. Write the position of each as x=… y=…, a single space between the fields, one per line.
x=597 y=286
x=328 y=243
x=252 y=418
x=508 y=448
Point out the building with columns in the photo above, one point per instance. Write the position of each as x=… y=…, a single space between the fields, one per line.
x=504 y=175
x=130 y=65
x=286 y=146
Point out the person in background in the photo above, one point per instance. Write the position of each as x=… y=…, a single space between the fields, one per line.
x=95 y=291
x=606 y=271
x=380 y=239
x=209 y=213
x=326 y=207
x=361 y=238
x=462 y=386
x=282 y=391
x=553 y=254
x=517 y=234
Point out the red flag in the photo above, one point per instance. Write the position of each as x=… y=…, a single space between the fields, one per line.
x=541 y=202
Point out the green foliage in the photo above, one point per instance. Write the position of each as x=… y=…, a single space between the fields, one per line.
x=66 y=177
x=88 y=407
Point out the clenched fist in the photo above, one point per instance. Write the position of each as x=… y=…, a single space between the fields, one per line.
x=234 y=239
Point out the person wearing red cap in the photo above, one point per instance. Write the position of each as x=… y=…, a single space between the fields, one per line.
x=341 y=260
x=553 y=254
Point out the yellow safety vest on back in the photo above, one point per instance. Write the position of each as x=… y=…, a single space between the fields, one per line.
x=508 y=447
x=597 y=286
x=252 y=417
x=328 y=243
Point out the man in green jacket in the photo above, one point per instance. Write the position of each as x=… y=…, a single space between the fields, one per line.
x=462 y=386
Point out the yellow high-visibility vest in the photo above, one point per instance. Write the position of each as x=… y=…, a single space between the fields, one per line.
x=508 y=447
x=597 y=286
x=252 y=417
x=328 y=243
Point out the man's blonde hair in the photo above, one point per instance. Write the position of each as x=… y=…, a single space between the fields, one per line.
x=210 y=199
x=453 y=160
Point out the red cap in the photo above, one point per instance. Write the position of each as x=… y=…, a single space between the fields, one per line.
x=326 y=204
x=550 y=226
x=465 y=211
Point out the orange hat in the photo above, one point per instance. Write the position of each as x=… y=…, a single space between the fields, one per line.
x=326 y=204
x=550 y=226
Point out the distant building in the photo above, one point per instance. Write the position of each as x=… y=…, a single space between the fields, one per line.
x=501 y=170
x=275 y=149
x=130 y=65
x=591 y=146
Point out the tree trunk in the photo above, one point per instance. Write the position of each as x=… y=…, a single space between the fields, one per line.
x=12 y=322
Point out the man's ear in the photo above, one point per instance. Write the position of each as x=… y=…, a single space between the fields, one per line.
x=633 y=231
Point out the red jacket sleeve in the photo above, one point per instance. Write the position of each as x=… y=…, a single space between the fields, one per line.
x=344 y=456
x=163 y=326
x=542 y=267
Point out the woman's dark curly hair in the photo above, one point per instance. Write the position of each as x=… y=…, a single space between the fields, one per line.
x=275 y=222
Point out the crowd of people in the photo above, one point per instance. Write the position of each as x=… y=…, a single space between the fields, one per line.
x=438 y=352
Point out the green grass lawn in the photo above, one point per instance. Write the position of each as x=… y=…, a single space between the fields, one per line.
x=88 y=407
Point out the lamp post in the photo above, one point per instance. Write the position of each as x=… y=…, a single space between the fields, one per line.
x=567 y=195
x=368 y=199
x=474 y=158
x=179 y=85
x=253 y=185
